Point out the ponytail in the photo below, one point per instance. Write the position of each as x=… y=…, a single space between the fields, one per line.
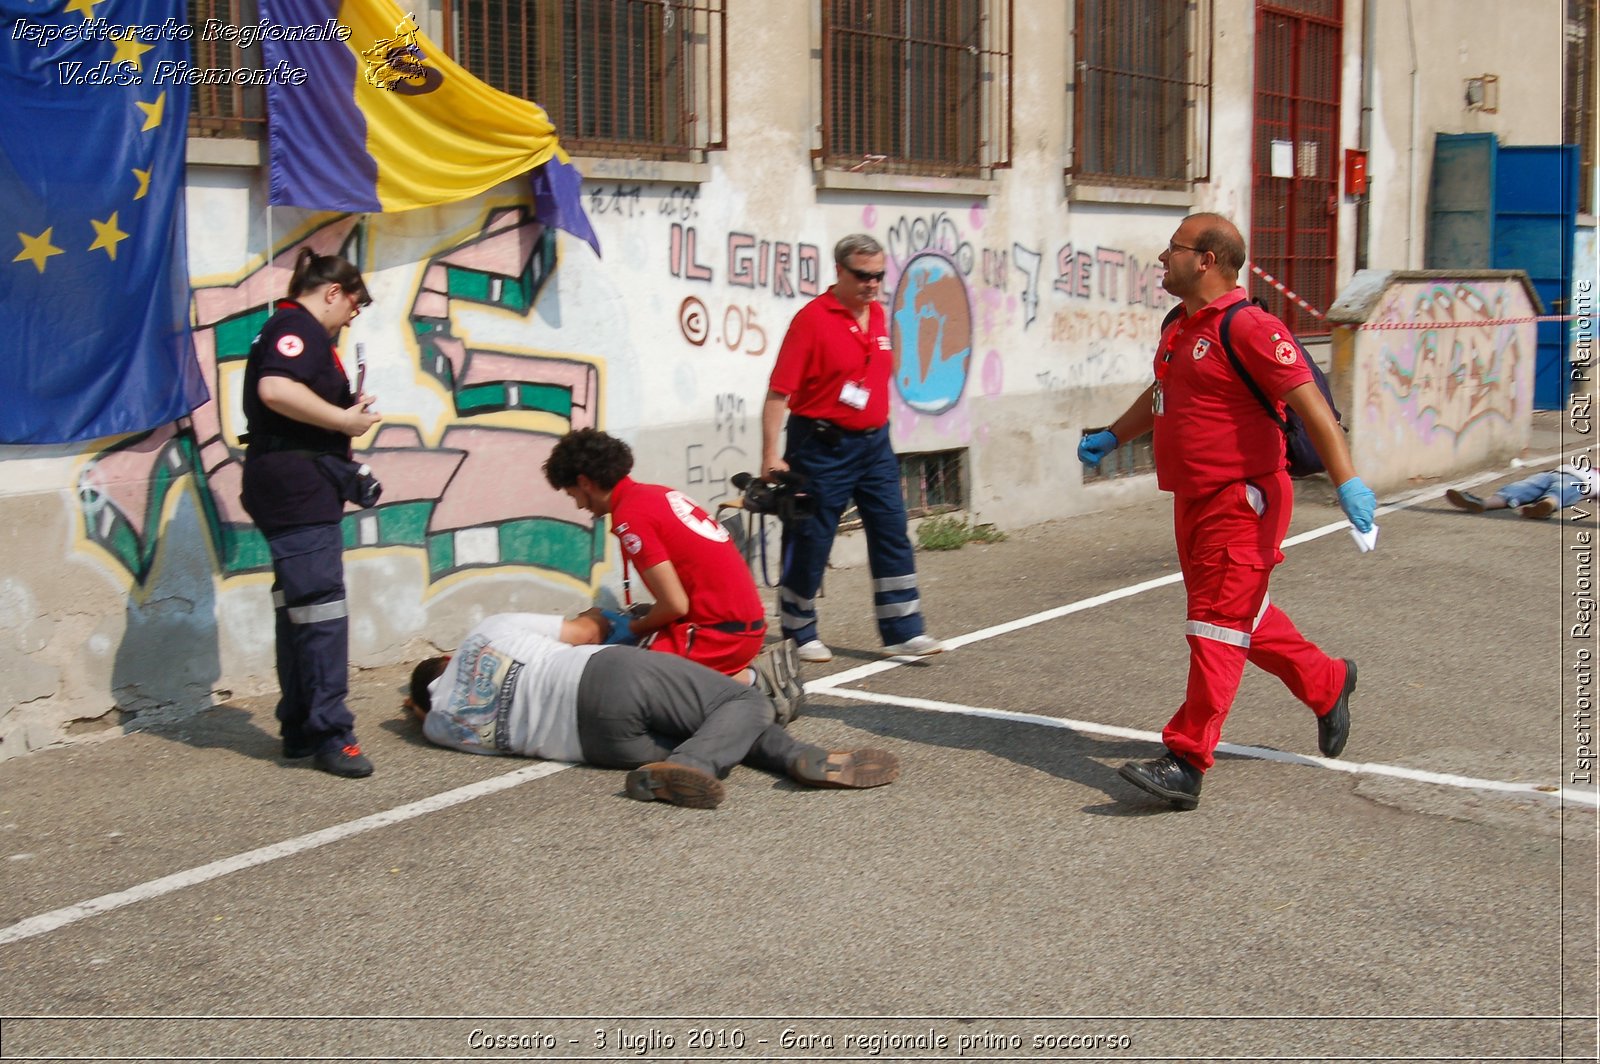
x=312 y=271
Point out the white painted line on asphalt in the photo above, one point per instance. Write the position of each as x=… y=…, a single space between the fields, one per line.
x=52 y=921
x=1259 y=753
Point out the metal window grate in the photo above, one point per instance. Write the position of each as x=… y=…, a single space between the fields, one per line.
x=233 y=111
x=1142 y=96
x=1579 y=96
x=916 y=86
x=933 y=482
x=637 y=78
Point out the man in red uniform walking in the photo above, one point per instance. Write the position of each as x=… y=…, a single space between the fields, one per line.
x=1223 y=460
x=706 y=608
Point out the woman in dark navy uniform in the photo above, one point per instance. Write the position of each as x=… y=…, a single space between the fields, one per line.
x=301 y=415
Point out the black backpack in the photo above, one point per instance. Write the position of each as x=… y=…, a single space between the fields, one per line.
x=1301 y=457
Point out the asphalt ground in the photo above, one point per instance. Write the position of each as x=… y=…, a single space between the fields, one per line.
x=185 y=894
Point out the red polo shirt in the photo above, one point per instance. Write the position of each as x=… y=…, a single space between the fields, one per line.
x=1209 y=430
x=657 y=524
x=823 y=351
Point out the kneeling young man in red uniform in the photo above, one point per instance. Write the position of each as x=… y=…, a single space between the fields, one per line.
x=707 y=608
x=1223 y=460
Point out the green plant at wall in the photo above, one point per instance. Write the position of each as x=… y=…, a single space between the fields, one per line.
x=952 y=533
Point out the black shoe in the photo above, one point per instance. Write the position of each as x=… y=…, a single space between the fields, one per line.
x=1464 y=500
x=1333 y=727
x=295 y=749
x=347 y=761
x=1169 y=777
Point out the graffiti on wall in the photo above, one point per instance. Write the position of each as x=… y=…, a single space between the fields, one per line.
x=781 y=268
x=1128 y=288
x=930 y=326
x=1451 y=378
x=446 y=492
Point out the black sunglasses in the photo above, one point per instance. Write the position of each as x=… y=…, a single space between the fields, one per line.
x=863 y=275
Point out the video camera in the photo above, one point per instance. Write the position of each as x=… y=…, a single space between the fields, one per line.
x=782 y=494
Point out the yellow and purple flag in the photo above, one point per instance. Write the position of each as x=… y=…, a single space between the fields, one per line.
x=382 y=120
x=94 y=278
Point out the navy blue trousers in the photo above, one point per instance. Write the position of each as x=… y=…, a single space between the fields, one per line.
x=863 y=469
x=313 y=635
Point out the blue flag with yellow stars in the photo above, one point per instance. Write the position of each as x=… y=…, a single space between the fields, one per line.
x=94 y=278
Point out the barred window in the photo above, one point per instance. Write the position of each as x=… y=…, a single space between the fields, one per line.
x=916 y=86
x=1579 y=112
x=1142 y=94
x=237 y=111
x=635 y=78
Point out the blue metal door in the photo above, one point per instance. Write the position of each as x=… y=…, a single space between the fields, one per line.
x=1510 y=208
x=1535 y=220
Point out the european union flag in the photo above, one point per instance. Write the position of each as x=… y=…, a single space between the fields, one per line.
x=94 y=279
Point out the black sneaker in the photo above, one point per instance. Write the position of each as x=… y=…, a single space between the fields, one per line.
x=1464 y=500
x=347 y=761
x=1333 y=727
x=298 y=747
x=1169 y=777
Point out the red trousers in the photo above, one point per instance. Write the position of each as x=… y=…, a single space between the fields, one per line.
x=1228 y=544
x=729 y=653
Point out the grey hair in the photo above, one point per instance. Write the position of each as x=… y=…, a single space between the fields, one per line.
x=855 y=244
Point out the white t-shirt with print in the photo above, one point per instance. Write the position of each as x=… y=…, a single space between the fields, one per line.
x=511 y=688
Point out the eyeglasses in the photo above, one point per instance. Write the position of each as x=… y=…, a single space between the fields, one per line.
x=863 y=275
x=1171 y=247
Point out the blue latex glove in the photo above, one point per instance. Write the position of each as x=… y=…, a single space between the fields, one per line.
x=621 y=635
x=1093 y=448
x=1358 y=503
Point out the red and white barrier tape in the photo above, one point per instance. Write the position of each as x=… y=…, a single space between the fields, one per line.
x=1479 y=324
x=1281 y=287
x=1482 y=323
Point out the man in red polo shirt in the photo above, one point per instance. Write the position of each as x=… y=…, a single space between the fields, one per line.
x=832 y=377
x=706 y=608
x=1223 y=460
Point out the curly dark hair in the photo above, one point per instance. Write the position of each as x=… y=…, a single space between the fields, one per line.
x=603 y=459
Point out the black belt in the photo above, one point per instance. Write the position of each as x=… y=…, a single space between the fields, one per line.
x=818 y=424
x=266 y=442
x=736 y=627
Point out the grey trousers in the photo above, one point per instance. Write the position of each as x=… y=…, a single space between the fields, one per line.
x=638 y=706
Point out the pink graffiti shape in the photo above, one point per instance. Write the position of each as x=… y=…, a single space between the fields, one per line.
x=994 y=372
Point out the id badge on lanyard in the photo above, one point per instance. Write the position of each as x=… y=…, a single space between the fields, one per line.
x=1158 y=404
x=854 y=395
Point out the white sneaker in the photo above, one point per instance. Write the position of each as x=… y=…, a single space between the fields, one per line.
x=918 y=646
x=815 y=652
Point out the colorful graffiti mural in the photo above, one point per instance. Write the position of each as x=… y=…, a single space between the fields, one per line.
x=930 y=324
x=446 y=497
x=1450 y=378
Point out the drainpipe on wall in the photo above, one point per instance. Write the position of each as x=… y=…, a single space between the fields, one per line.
x=1411 y=174
x=1364 y=132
